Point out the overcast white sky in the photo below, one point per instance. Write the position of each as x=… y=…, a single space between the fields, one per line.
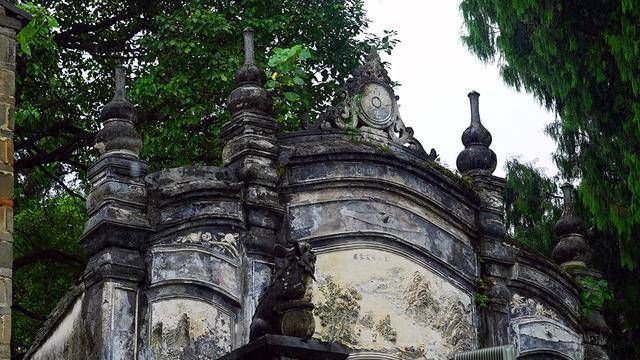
x=436 y=72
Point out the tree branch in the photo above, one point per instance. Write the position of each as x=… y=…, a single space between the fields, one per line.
x=47 y=254
x=62 y=184
x=27 y=313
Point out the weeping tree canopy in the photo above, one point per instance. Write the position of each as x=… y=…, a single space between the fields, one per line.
x=532 y=206
x=181 y=58
x=581 y=59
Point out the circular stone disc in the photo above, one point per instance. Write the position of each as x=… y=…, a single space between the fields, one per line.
x=378 y=106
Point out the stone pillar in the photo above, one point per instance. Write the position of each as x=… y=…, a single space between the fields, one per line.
x=12 y=20
x=252 y=152
x=497 y=257
x=116 y=231
x=573 y=254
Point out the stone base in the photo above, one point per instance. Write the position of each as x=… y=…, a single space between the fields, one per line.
x=278 y=347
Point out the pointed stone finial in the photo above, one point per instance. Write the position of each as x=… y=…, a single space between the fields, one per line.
x=572 y=249
x=476 y=155
x=249 y=72
x=249 y=47
x=118 y=133
x=119 y=107
x=249 y=94
x=121 y=91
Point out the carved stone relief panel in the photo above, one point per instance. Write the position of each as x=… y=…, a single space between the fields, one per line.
x=378 y=301
x=188 y=263
x=523 y=306
x=191 y=329
x=543 y=336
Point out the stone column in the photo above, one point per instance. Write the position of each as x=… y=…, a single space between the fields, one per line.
x=11 y=21
x=252 y=152
x=573 y=254
x=116 y=232
x=497 y=257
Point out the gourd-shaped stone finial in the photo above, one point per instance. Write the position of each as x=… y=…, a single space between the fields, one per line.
x=118 y=133
x=572 y=249
x=476 y=155
x=250 y=79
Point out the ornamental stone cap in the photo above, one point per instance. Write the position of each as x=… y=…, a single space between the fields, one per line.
x=119 y=107
x=572 y=249
x=569 y=222
x=249 y=95
x=368 y=101
x=476 y=155
x=249 y=72
x=118 y=133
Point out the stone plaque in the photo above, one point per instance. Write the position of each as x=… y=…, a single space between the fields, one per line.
x=377 y=301
x=378 y=106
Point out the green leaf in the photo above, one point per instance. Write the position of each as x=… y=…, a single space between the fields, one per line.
x=291 y=96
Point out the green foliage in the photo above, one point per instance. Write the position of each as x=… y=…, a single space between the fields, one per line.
x=182 y=57
x=594 y=294
x=532 y=207
x=288 y=84
x=529 y=197
x=38 y=31
x=581 y=59
x=48 y=259
x=482 y=300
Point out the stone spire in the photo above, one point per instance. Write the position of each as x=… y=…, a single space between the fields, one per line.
x=250 y=94
x=118 y=135
x=116 y=203
x=251 y=153
x=117 y=228
x=572 y=249
x=476 y=155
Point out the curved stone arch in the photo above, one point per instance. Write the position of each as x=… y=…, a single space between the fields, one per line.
x=339 y=217
x=397 y=246
x=544 y=355
x=541 y=336
x=367 y=355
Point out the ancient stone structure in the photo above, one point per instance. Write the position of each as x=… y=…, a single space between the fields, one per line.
x=12 y=19
x=412 y=261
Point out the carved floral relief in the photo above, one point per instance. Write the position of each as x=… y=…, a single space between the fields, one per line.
x=521 y=306
x=226 y=243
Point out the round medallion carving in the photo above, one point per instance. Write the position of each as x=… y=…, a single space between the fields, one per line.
x=378 y=106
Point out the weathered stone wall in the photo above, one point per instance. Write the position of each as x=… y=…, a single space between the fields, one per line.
x=395 y=241
x=196 y=264
x=412 y=262
x=11 y=21
x=544 y=310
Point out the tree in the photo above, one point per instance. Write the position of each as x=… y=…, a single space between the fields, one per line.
x=532 y=206
x=581 y=59
x=181 y=58
x=532 y=210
